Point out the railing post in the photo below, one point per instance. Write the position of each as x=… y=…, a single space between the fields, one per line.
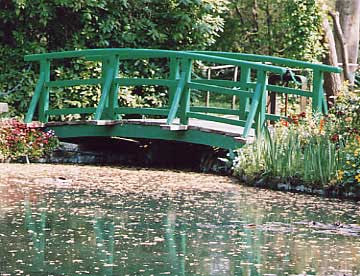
x=113 y=94
x=317 y=91
x=35 y=98
x=244 y=102
x=235 y=78
x=103 y=111
x=258 y=103
x=186 y=66
x=207 y=96
x=43 y=106
x=261 y=110
x=174 y=75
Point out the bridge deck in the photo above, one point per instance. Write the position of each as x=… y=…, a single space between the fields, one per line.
x=227 y=130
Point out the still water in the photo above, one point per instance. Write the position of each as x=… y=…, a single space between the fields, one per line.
x=57 y=226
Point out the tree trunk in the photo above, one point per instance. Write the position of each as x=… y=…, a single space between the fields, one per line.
x=332 y=81
x=349 y=11
x=342 y=48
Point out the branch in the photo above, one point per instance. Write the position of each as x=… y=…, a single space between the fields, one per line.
x=237 y=9
x=343 y=45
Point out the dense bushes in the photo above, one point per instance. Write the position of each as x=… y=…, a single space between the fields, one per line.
x=41 y=26
x=320 y=152
x=19 y=141
x=290 y=28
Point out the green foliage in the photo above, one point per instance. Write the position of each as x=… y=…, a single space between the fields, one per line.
x=300 y=151
x=322 y=152
x=290 y=28
x=41 y=26
x=349 y=174
x=303 y=35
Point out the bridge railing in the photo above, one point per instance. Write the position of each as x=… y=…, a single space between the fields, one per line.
x=179 y=83
x=315 y=72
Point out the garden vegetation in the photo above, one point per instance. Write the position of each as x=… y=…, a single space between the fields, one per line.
x=317 y=152
x=19 y=141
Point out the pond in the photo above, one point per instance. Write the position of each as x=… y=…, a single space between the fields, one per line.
x=69 y=220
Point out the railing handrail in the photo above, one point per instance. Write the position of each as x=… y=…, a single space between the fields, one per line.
x=126 y=53
x=275 y=60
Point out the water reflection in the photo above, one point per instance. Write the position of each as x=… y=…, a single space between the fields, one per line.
x=246 y=232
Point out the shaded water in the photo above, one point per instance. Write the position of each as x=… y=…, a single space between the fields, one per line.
x=63 y=226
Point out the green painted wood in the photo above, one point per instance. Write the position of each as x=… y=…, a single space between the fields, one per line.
x=275 y=60
x=325 y=109
x=148 y=132
x=317 y=91
x=126 y=53
x=108 y=78
x=74 y=110
x=176 y=100
x=253 y=108
x=222 y=83
x=261 y=109
x=142 y=111
x=273 y=117
x=67 y=83
x=216 y=119
x=143 y=81
x=35 y=98
x=43 y=105
x=186 y=67
x=180 y=85
x=114 y=88
x=289 y=90
x=244 y=101
x=214 y=110
x=218 y=89
x=174 y=75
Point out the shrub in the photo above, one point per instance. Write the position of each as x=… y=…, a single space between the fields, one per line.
x=349 y=175
x=18 y=140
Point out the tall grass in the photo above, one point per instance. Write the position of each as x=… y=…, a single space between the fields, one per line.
x=287 y=155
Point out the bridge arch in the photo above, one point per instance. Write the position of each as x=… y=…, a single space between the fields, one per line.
x=179 y=120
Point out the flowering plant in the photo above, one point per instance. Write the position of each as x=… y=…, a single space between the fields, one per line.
x=18 y=140
x=349 y=174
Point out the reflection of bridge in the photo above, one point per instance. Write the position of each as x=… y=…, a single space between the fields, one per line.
x=179 y=120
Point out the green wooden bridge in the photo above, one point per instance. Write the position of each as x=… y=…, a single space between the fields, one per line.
x=180 y=119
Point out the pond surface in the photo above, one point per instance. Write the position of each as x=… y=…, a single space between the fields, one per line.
x=67 y=220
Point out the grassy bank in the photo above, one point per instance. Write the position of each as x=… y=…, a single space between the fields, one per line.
x=318 y=154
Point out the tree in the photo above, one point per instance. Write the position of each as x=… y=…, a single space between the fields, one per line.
x=343 y=43
x=288 y=28
x=37 y=26
x=348 y=37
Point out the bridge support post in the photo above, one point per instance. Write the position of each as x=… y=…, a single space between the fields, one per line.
x=114 y=89
x=261 y=109
x=43 y=106
x=109 y=67
x=186 y=65
x=174 y=75
x=318 y=105
x=107 y=100
x=258 y=104
x=244 y=102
